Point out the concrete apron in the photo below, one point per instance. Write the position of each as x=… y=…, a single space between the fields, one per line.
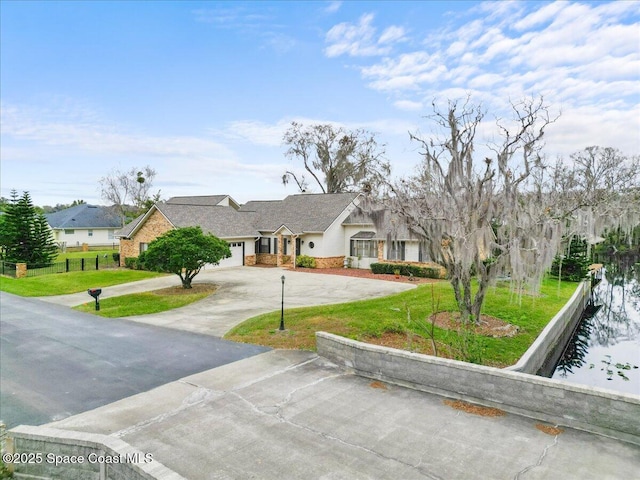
x=292 y=414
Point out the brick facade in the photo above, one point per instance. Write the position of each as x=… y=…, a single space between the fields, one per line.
x=21 y=270
x=155 y=226
x=330 y=262
x=266 y=259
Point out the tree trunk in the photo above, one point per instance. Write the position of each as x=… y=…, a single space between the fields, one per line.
x=186 y=280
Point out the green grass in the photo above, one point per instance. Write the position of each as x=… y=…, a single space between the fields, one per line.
x=72 y=282
x=141 y=303
x=91 y=254
x=373 y=318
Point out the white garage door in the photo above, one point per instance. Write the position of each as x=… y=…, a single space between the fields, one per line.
x=237 y=255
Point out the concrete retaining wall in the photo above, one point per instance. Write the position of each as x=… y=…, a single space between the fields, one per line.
x=543 y=354
x=80 y=456
x=554 y=401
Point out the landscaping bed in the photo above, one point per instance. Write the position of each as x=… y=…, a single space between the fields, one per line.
x=365 y=273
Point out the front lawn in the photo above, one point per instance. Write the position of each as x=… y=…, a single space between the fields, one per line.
x=148 y=302
x=405 y=317
x=72 y=282
x=90 y=254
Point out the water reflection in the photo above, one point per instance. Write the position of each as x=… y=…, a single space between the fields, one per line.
x=605 y=349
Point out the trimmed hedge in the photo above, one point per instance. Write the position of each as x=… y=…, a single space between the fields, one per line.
x=305 y=261
x=406 y=270
x=133 y=263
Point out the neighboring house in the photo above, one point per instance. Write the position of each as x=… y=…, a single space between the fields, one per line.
x=328 y=227
x=84 y=224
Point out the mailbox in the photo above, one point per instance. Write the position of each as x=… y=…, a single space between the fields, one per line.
x=95 y=293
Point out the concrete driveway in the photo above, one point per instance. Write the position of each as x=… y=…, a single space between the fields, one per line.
x=245 y=292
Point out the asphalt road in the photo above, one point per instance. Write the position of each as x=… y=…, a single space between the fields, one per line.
x=56 y=362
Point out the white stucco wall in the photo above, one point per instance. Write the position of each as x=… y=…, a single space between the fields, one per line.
x=350 y=231
x=334 y=236
x=319 y=245
x=79 y=236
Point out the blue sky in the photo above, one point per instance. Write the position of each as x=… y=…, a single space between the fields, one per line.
x=203 y=91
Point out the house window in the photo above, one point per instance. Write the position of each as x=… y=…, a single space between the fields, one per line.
x=90 y=233
x=69 y=232
x=263 y=245
x=143 y=247
x=364 y=248
x=396 y=251
x=110 y=234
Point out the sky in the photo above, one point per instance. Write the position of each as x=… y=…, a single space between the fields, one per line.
x=203 y=91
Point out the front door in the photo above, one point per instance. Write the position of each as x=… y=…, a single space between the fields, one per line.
x=297 y=246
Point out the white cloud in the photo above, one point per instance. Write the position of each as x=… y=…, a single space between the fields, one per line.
x=257 y=133
x=361 y=40
x=333 y=7
x=83 y=132
x=544 y=15
x=406 y=72
x=392 y=34
x=585 y=57
x=408 y=105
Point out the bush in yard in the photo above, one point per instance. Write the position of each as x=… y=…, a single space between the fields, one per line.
x=404 y=269
x=305 y=261
x=132 y=263
x=116 y=257
x=184 y=251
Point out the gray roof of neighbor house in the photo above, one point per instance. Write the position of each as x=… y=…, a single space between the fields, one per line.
x=84 y=216
x=300 y=213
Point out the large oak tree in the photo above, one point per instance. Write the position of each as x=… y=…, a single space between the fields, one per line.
x=338 y=160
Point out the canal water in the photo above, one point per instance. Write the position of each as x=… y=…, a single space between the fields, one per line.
x=605 y=349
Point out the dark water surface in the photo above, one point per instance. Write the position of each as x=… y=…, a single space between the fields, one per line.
x=605 y=350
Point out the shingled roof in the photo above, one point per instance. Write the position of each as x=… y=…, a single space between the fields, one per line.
x=301 y=213
x=223 y=222
x=209 y=200
x=84 y=216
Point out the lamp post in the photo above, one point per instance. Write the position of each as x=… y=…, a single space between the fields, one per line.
x=282 y=306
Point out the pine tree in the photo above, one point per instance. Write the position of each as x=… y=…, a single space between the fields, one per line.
x=24 y=233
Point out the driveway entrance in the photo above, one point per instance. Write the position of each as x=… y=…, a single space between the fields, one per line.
x=57 y=362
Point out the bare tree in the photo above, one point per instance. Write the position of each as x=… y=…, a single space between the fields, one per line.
x=481 y=217
x=338 y=160
x=129 y=189
x=599 y=190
